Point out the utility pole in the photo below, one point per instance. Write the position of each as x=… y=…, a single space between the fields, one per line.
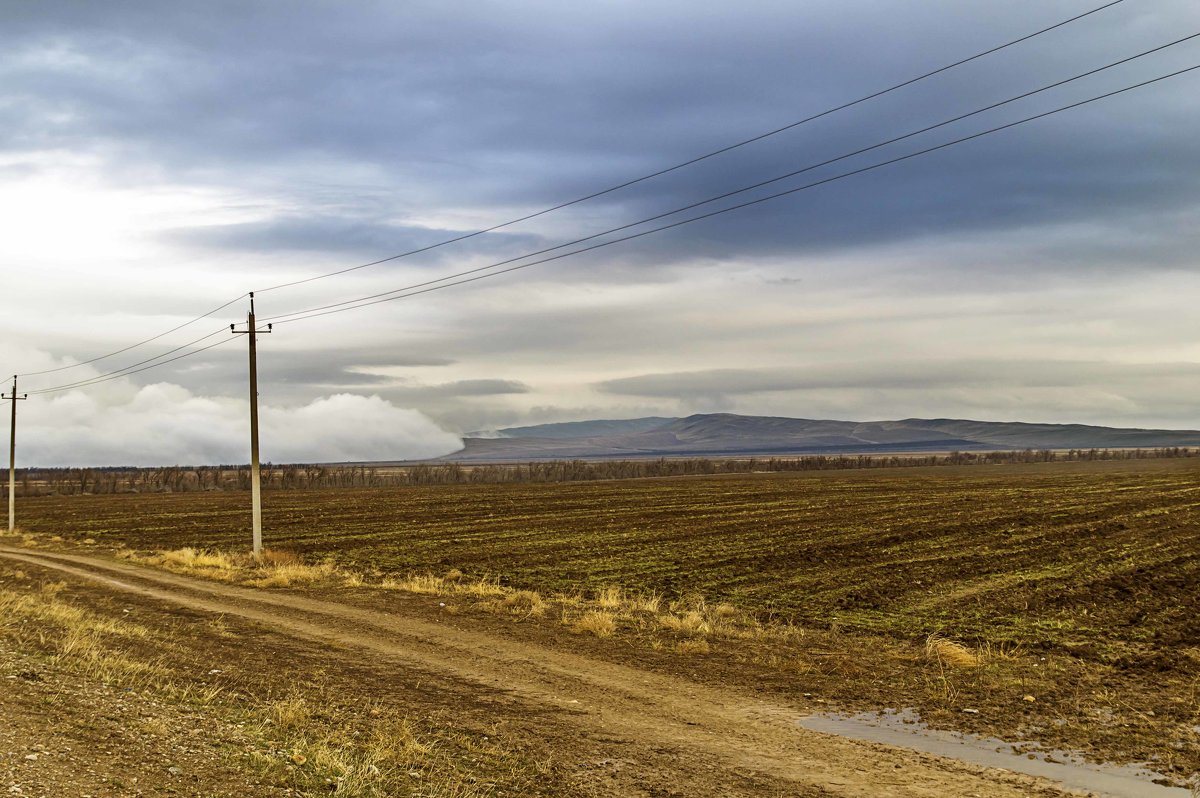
x=255 y=485
x=12 y=459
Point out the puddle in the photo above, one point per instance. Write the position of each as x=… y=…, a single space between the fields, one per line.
x=903 y=728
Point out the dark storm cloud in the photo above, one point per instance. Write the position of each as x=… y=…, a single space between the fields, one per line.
x=424 y=107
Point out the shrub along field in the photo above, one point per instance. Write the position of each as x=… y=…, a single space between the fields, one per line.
x=1098 y=558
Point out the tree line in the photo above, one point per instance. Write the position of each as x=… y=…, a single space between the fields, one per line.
x=180 y=479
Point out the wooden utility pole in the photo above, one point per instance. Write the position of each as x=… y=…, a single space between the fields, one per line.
x=12 y=459
x=255 y=484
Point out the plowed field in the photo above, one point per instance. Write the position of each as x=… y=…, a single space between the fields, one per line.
x=1101 y=558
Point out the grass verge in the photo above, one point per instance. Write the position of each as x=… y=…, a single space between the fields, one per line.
x=1108 y=709
x=309 y=736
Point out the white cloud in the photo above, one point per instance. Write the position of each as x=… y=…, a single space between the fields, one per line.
x=349 y=427
x=164 y=424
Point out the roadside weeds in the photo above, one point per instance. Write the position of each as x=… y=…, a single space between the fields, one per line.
x=989 y=688
x=311 y=738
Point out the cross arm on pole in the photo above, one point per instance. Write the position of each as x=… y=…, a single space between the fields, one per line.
x=13 y=396
x=260 y=331
x=250 y=325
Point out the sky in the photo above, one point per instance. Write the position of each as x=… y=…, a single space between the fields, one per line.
x=158 y=161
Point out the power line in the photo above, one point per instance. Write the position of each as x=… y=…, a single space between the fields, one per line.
x=367 y=301
x=744 y=189
x=131 y=369
x=222 y=342
x=596 y=194
x=794 y=173
x=431 y=285
x=133 y=346
x=307 y=315
x=699 y=158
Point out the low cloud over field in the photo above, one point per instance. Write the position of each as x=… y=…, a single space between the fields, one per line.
x=165 y=424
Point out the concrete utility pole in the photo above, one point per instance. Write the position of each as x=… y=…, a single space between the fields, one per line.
x=255 y=485
x=12 y=459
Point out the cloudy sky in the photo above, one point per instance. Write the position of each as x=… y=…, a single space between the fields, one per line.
x=159 y=160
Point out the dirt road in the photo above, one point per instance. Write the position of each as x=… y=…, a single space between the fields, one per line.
x=681 y=738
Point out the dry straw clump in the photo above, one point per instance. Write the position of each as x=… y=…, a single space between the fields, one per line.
x=189 y=559
x=417 y=583
x=450 y=584
x=689 y=623
x=524 y=602
x=618 y=600
x=293 y=574
x=611 y=598
x=945 y=651
x=274 y=569
x=596 y=622
x=282 y=568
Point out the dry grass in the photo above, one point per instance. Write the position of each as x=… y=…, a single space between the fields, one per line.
x=417 y=583
x=280 y=558
x=289 y=714
x=282 y=568
x=725 y=610
x=218 y=626
x=611 y=598
x=600 y=614
x=698 y=646
x=188 y=560
x=79 y=640
x=524 y=602
x=690 y=616
x=689 y=623
x=646 y=614
x=430 y=584
x=287 y=575
x=311 y=743
x=596 y=622
x=369 y=751
x=273 y=569
x=945 y=651
x=648 y=602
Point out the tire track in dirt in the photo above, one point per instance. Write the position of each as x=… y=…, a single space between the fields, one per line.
x=701 y=726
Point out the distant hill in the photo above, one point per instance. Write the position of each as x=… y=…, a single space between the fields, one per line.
x=722 y=434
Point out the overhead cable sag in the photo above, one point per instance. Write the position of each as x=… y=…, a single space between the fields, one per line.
x=432 y=285
x=133 y=346
x=133 y=369
x=378 y=299
x=704 y=157
x=361 y=302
